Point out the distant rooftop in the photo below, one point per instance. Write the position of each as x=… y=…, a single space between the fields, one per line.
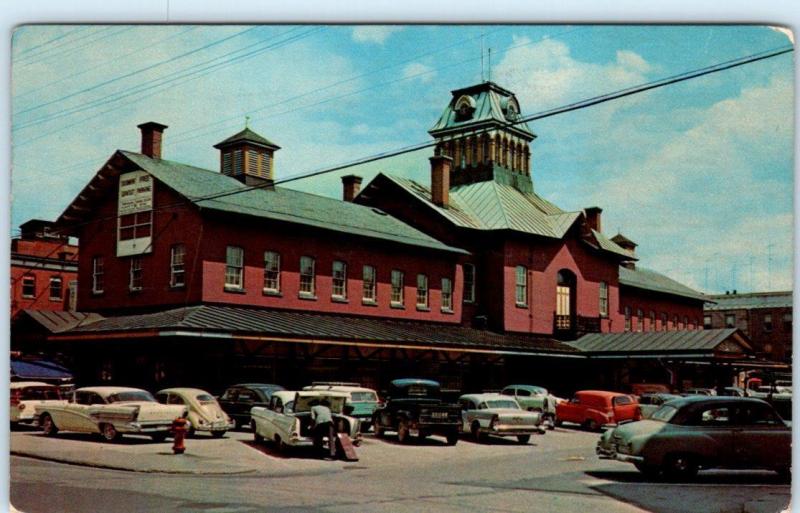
x=750 y=300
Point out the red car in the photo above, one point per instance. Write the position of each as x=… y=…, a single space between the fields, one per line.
x=594 y=408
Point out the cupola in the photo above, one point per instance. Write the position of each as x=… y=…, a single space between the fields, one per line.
x=248 y=157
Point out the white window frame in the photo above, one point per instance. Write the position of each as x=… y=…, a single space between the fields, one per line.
x=398 y=287
x=603 y=297
x=369 y=287
x=234 y=268
x=56 y=279
x=307 y=279
x=521 y=285
x=469 y=283
x=628 y=321
x=639 y=320
x=136 y=275
x=272 y=272
x=177 y=265
x=447 y=295
x=339 y=280
x=423 y=295
x=98 y=275
x=29 y=278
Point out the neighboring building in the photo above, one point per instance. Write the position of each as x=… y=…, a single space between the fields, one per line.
x=766 y=317
x=44 y=269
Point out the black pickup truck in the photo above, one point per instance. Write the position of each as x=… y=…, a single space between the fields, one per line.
x=414 y=407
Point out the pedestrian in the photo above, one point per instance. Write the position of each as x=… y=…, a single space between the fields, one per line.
x=323 y=426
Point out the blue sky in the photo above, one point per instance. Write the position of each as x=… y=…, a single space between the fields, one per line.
x=700 y=174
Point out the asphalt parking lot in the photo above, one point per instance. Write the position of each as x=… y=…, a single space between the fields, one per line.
x=554 y=472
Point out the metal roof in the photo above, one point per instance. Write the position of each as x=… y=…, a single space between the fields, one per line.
x=281 y=204
x=227 y=321
x=56 y=321
x=651 y=280
x=750 y=300
x=247 y=135
x=631 y=342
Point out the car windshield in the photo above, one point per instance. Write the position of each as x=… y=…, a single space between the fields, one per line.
x=205 y=399
x=664 y=414
x=503 y=403
x=131 y=396
x=363 y=397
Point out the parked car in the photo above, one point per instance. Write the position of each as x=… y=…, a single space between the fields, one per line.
x=648 y=403
x=238 y=400
x=535 y=398
x=649 y=388
x=733 y=392
x=362 y=401
x=414 y=408
x=699 y=391
x=595 y=408
x=205 y=413
x=498 y=415
x=111 y=412
x=697 y=432
x=26 y=395
x=286 y=421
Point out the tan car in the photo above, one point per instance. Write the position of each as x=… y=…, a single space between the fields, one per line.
x=26 y=395
x=205 y=413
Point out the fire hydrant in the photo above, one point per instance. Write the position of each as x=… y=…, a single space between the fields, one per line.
x=178 y=435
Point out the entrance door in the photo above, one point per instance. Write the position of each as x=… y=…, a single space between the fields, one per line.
x=565 y=302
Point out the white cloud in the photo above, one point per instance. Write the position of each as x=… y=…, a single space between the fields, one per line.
x=419 y=71
x=374 y=33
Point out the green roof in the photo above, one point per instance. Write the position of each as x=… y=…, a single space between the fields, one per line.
x=611 y=245
x=661 y=342
x=650 y=280
x=282 y=204
x=247 y=135
x=750 y=300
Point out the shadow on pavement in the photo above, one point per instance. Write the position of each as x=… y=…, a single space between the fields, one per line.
x=96 y=438
x=498 y=440
x=718 y=477
x=297 y=453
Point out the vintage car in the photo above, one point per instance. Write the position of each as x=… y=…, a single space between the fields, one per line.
x=287 y=419
x=595 y=408
x=205 y=413
x=111 y=412
x=362 y=401
x=650 y=402
x=414 y=407
x=535 y=398
x=26 y=395
x=696 y=432
x=498 y=415
x=238 y=400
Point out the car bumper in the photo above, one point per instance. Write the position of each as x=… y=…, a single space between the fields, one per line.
x=216 y=426
x=605 y=453
x=147 y=427
x=512 y=430
x=628 y=458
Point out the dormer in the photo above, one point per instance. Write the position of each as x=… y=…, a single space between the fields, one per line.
x=248 y=157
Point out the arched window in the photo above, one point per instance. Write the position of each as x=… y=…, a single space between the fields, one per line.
x=486 y=155
x=565 y=299
x=513 y=155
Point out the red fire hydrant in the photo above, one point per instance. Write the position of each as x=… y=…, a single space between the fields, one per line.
x=178 y=435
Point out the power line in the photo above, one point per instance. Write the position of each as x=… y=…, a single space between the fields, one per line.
x=22 y=53
x=68 y=51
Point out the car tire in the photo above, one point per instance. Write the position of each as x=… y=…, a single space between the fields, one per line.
x=158 y=437
x=475 y=431
x=557 y=422
x=376 y=428
x=48 y=426
x=422 y=436
x=591 y=425
x=680 y=466
x=257 y=438
x=402 y=432
x=523 y=439
x=109 y=433
x=280 y=444
x=220 y=434
x=452 y=438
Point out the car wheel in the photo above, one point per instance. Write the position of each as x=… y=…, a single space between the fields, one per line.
x=376 y=427
x=220 y=434
x=158 y=437
x=48 y=426
x=523 y=439
x=257 y=438
x=109 y=433
x=191 y=433
x=557 y=422
x=402 y=431
x=648 y=470
x=591 y=425
x=475 y=431
x=280 y=444
x=452 y=438
x=680 y=466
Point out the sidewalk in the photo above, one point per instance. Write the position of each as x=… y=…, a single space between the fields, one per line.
x=233 y=454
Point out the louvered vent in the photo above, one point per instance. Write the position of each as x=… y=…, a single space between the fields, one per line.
x=226 y=164
x=253 y=167
x=237 y=162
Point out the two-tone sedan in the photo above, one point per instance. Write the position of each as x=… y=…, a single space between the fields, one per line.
x=205 y=413
x=110 y=412
x=498 y=415
x=695 y=432
x=26 y=395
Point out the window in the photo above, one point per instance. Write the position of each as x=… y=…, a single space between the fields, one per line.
x=272 y=271
x=664 y=323
x=603 y=299
x=29 y=286
x=767 y=322
x=639 y=320
x=686 y=321
x=422 y=291
x=787 y=322
x=652 y=320
x=135 y=281
x=522 y=285
x=177 y=271
x=447 y=294
x=397 y=287
x=97 y=275
x=675 y=322
x=234 y=268
x=469 y=283
x=730 y=321
x=135 y=226
x=307 y=281
x=368 y=277
x=55 y=289
x=627 y=318
x=339 y=275
x=707 y=322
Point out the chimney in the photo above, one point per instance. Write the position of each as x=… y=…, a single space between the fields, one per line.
x=593 y=217
x=151 y=138
x=351 y=185
x=440 y=179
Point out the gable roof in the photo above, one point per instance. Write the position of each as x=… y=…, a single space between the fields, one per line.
x=650 y=280
x=275 y=203
x=750 y=300
x=247 y=135
x=691 y=341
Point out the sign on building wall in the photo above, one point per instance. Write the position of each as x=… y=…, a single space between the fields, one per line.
x=135 y=214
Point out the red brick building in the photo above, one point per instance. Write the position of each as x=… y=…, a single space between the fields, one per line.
x=44 y=269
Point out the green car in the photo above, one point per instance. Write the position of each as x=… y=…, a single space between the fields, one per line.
x=363 y=401
x=535 y=398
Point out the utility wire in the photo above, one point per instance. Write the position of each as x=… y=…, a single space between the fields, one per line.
x=22 y=54
x=68 y=51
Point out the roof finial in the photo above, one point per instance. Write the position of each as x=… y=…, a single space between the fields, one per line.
x=247 y=121
x=482 y=72
x=490 y=64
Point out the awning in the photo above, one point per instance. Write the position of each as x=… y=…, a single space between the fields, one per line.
x=39 y=370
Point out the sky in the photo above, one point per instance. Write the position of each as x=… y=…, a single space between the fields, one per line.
x=699 y=174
